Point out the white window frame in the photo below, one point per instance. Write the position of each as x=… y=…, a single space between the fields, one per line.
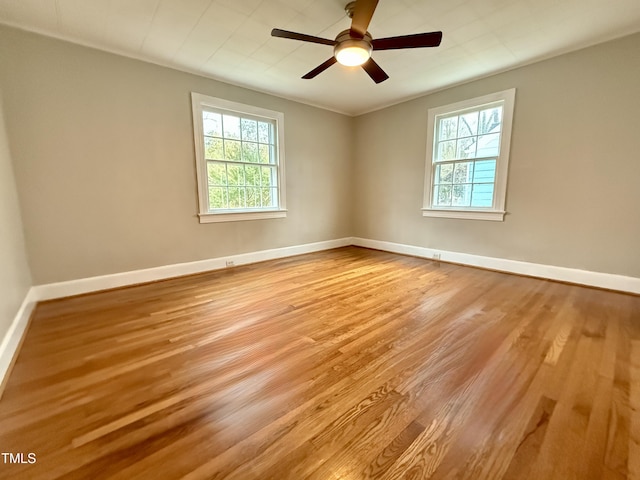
x=497 y=211
x=200 y=103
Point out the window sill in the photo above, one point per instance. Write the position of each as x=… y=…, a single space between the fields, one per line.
x=491 y=215
x=241 y=216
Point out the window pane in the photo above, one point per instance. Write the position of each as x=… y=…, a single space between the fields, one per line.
x=461 y=195
x=249 y=130
x=444 y=173
x=231 y=126
x=446 y=150
x=213 y=149
x=232 y=150
x=448 y=128
x=236 y=197
x=489 y=145
x=490 y=120
x=253 y=197
x=482 y=195
x=266 y=197
x=463 y=172
x=466 y=148
x=250 y=152
x=468 y=124
x=252 y=175
x=442 y=196
x=263 y=132
x=485 y=171
x=267 y=176
x=212 y=123
x=235 y=174
x=218 y=198
x=217 y=173
x=263 y=153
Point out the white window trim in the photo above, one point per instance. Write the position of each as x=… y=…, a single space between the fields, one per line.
x=497 y=212
x=198 y=101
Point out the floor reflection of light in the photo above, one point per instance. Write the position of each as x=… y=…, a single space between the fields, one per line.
x=248 y=400
x=346 y=474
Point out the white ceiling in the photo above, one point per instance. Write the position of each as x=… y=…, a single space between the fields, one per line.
x=230 y=40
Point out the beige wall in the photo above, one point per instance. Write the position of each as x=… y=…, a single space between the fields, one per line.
x=105 y=169
x=102 y=151
x=15 y=278
x=573 y=196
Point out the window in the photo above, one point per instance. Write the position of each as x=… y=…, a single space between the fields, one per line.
x=239 y=159
x=468 y=156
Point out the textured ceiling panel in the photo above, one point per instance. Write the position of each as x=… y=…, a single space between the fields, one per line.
x=230 y=40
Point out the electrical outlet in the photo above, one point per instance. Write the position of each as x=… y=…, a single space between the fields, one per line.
x=230 y=263
x=436 y=256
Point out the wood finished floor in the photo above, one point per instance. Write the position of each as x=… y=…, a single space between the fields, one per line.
x=338 y=365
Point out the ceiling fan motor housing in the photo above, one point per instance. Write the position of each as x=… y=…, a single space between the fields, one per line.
x=352 y=51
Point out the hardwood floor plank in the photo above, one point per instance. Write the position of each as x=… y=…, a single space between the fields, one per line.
x=529 y=447
x=378 y=467
x=634 y=433
x=617 y=449
x=348 y=363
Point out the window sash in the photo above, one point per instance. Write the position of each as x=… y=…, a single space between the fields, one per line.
x=471 y=180
x=438 y=187
x=251 y=191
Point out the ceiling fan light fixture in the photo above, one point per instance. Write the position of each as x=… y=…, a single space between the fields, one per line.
x=353 y=52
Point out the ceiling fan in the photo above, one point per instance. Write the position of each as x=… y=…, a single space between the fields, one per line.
x=353 y=47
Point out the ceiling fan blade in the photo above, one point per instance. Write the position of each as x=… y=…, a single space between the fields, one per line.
x=320 y=68
x=418 y=40
x=375 y=72
x=362 y=13
x=276 y=32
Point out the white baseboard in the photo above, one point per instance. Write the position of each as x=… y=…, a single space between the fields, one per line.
x=563 y=274
x=104 y=282
x=92 y=284
x=12 y=339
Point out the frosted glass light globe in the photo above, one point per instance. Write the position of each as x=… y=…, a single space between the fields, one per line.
x=352 y=52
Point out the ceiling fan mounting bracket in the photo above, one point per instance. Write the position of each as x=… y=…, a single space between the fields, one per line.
x=349 y=7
